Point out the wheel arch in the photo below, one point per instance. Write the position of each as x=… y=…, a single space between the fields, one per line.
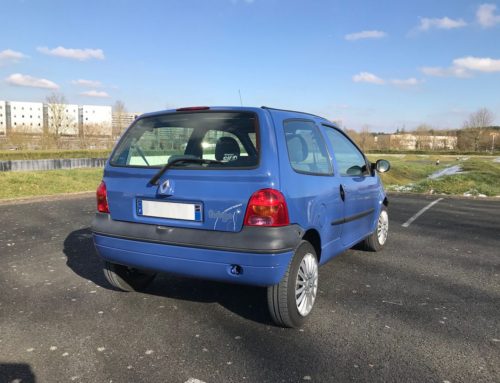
x=312 y=236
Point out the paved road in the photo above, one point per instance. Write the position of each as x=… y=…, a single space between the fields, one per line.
x=426 y=309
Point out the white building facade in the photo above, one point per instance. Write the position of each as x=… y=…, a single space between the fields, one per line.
x=60 y=119
x=3 y=118
x=96 y=120
x=26 y=117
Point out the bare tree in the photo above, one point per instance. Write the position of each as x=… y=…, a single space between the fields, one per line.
x=476 y=123
x=119 y=113
x=423 y=139
x=59 y=120
x=365 y=138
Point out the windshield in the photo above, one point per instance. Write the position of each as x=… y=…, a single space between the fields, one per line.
x=223 y=139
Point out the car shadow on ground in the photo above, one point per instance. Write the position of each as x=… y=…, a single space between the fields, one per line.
x=16 y=372
x=246 y=301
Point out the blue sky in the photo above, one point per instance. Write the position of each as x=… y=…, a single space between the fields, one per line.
x=384 y=64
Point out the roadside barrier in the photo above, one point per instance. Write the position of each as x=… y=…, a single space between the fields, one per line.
x=51 y=164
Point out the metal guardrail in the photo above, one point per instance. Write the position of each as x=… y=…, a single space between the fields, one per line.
x=51 y=164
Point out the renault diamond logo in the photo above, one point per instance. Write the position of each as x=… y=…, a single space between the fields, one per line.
x=167 y=187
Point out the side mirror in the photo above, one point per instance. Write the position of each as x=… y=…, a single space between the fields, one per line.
x=382 y=166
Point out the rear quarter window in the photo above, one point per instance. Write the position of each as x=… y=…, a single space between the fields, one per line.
x=306 y=148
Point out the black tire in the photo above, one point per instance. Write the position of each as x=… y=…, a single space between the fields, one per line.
x=374 y=242
x=126 y=278
x=281 y=298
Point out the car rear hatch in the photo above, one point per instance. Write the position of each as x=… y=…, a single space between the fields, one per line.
x=190 y=168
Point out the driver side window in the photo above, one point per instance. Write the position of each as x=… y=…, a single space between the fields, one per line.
x=350 y=160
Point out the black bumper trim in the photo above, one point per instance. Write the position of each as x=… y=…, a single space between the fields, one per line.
x=262 y=240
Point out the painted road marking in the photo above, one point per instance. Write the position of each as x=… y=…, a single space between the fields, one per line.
x=410 y=221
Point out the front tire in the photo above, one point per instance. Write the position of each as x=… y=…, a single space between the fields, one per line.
x=291 y=301
x=377 y=240
x=127 y=278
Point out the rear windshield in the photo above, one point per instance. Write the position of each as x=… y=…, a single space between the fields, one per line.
x=224 y=139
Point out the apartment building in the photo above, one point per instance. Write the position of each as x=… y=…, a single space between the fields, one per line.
x=96 y=120
x=25 y=117
x=3 y=118
x=60 y=119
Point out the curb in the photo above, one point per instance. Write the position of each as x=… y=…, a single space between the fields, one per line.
x=45 y=198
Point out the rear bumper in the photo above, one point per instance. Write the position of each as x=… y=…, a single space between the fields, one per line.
x=263 y=254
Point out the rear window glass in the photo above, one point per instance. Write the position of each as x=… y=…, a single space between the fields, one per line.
x=226 y=138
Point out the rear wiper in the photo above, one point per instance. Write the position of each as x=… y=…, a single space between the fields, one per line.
x=141 y=153
x=156 y=177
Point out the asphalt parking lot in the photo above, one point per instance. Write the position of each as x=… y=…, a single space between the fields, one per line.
x=426 y=309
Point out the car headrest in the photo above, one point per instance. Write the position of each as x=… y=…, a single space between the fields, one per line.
x=227 y=149
x=297 y=147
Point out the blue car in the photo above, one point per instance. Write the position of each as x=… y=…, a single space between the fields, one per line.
x=257 y=196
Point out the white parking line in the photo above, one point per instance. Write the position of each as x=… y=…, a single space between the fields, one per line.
x=410 y=221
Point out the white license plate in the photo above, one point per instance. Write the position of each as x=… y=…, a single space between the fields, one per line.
x=170 y=210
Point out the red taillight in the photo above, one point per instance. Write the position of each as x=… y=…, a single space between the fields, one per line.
x=267 y=207
x=102 y=198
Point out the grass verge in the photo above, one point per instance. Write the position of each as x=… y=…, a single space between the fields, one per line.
x=480 y=176
x=49 y=182
x=409 y=173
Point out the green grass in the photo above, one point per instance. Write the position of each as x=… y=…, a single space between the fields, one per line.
x=6 y=155
x=49 y=182
x=480 y=175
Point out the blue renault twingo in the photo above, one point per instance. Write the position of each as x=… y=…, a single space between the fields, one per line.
x=258 y=196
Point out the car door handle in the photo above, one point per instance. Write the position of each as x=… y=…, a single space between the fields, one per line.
x=342 y=193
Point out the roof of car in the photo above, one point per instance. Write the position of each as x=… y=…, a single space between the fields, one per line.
x=230 y=108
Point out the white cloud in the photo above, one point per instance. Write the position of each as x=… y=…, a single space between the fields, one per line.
x=485 y=15
x=77 y=54
x=373 y=79
x=479 y=64
x=87 y=83
x=365 y=35
x=464 y=67
x=368 y=77
x=443 y=23
x=405 y=83
x=18 y=79
x=10 y=56
x=95 y=93
x=445 y=72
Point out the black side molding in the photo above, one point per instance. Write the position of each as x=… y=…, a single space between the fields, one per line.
x=353 y=217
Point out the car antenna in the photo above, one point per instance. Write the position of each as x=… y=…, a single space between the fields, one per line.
x=241 y=102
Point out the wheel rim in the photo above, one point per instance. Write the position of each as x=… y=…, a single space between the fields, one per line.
x=306 y=285
x=382 y=227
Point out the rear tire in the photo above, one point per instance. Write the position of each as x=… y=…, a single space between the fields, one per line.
x=127 y=278
x=377 y=240
x=291 y=301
